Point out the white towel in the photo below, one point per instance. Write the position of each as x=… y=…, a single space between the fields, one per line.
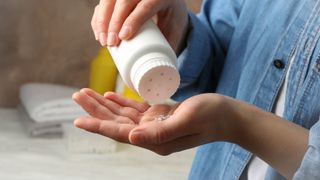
x=50 y=102
x=36 y=129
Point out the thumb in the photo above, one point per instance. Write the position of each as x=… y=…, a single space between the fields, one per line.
x=157 y=132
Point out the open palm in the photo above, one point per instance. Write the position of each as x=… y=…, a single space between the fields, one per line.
x=115 y=116
x=188 y=124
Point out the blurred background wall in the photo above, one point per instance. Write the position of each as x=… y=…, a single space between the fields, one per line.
x=46 y=41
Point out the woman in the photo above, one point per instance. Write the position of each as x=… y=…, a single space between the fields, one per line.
x=249 y=94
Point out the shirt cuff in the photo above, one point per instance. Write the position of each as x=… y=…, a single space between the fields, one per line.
x=196 y=60
x=310 y=165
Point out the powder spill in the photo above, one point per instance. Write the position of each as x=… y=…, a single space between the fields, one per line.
x=162 y=117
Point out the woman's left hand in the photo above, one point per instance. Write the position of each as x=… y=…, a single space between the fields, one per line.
x=162 y=128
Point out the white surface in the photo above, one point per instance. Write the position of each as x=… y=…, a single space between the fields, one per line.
x=80 y=141
x=22 y=158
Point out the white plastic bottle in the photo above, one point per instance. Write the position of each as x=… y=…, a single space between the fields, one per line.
x=147 y=64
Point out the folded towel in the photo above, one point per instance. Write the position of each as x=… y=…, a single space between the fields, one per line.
x=49 y=102
x=36 y=129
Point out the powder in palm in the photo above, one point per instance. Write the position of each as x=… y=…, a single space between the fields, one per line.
x=161 y=117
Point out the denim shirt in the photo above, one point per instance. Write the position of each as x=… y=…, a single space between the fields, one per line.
x=241 y=48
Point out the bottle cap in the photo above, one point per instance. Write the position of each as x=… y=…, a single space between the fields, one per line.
x=155 y=77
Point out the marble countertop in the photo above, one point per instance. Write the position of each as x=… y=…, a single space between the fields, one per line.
x=25 y=158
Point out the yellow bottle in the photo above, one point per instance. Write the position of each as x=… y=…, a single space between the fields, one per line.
x=103 y=75
x=126 y=91
x=131 y=94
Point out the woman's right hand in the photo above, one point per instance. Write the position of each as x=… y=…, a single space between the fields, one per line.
x=116 y=20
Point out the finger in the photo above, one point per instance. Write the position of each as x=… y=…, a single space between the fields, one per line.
x=131 y=113
x=143 y=11
x=92 y=106
x=156 y=132
x=111 y=129
x=94 y=22
x=141 y=107
x=121 y=11
x=104 y=102
x=103 y=18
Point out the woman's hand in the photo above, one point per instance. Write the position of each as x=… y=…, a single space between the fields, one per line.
x=121 y=19
x=163 y=129
x=198 y=120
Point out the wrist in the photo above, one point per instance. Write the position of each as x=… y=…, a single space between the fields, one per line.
x=222 y=112
x=241 y=117
x=236 y=120
x=229 y=119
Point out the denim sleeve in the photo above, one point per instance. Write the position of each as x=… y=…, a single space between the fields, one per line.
x=310 y=165
x=201 y=62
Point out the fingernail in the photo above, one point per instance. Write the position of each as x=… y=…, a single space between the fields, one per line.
x=125 y=32
x=138 y=138
x=103 y=39
x=106 y=94
x=96 y=35
x=75 y=95
x=77 y=122
x=83 y=90
x=112 y=38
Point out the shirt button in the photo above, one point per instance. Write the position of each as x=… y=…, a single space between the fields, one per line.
x=278 y=64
